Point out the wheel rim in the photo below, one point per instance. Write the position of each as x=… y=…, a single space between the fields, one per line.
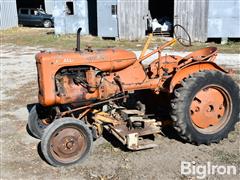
x=47 y=24
x=68 y=145
x=210 y=109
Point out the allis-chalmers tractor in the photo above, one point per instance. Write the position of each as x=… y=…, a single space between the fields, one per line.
x=84 y=93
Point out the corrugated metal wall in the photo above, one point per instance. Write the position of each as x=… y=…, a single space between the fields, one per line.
x=224 y=19
x=193 y=15
x=8 y=14
x=49 y=6
x=131 y=21
x=68 y=24
x=107 y=21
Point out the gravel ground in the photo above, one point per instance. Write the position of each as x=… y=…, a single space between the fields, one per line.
x=19 y=151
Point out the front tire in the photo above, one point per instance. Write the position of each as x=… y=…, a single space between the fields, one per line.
x=66 y=141
x=206 y=107
x=47 y=23
x=36 y=125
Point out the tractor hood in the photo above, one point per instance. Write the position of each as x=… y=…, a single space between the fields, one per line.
x=103 y=59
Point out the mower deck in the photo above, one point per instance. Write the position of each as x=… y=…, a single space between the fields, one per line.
x=132 y=130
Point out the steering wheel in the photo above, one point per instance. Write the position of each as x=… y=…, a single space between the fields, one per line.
x=181 y=35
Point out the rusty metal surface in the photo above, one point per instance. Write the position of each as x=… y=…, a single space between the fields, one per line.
x=67 y=145
x=93 y=78
x=120 y=72
x=210 y=109
x=103 y=59
x=191 y=68
x=97 y=87
x=48 y=64
x=132 y=138
x=97 y=77
x=91 y=105
x=123 y=130
x=202 y=54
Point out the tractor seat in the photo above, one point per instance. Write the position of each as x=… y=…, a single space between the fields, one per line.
x=201 y=54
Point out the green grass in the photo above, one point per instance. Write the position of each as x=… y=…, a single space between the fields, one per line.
x=46 y=38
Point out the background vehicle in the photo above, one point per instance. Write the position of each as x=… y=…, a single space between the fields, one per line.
x=84 y=92
x=35 y=17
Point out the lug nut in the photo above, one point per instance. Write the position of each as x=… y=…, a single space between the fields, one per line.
x=197 y=109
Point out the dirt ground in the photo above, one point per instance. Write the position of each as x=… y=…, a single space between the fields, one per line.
x=19 y=151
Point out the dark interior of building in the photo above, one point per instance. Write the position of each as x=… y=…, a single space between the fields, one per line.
x=162 y=10
x=30 y=4
x=92 y=17
x=159 y=9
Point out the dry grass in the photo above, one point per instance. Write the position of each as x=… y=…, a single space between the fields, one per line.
x=46 y=38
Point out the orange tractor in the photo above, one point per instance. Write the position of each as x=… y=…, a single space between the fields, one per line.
x=85 y=92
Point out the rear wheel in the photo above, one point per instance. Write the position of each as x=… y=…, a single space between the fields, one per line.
x=206 y=107
x=66 y=141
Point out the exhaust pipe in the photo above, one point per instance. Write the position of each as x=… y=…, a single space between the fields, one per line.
x=78 y=39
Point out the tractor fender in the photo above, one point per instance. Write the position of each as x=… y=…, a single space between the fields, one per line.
x=191 y=68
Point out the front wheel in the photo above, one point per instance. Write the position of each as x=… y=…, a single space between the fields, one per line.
x=206 y=107
x=47 y=23
x=66 y=141
x=36 y=125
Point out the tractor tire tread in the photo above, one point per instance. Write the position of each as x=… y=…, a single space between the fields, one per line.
x=182 y=95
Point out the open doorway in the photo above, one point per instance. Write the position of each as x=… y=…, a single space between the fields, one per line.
x=92 y=17
x=162 y=16
x=30 y=4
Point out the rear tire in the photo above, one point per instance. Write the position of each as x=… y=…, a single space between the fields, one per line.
x=66 y=141
x=206 y=107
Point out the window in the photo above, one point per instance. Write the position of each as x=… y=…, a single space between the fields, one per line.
x=24 y=11
x=41 y=11
x=69 y=8
x=114 y=9
x=33 y=12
